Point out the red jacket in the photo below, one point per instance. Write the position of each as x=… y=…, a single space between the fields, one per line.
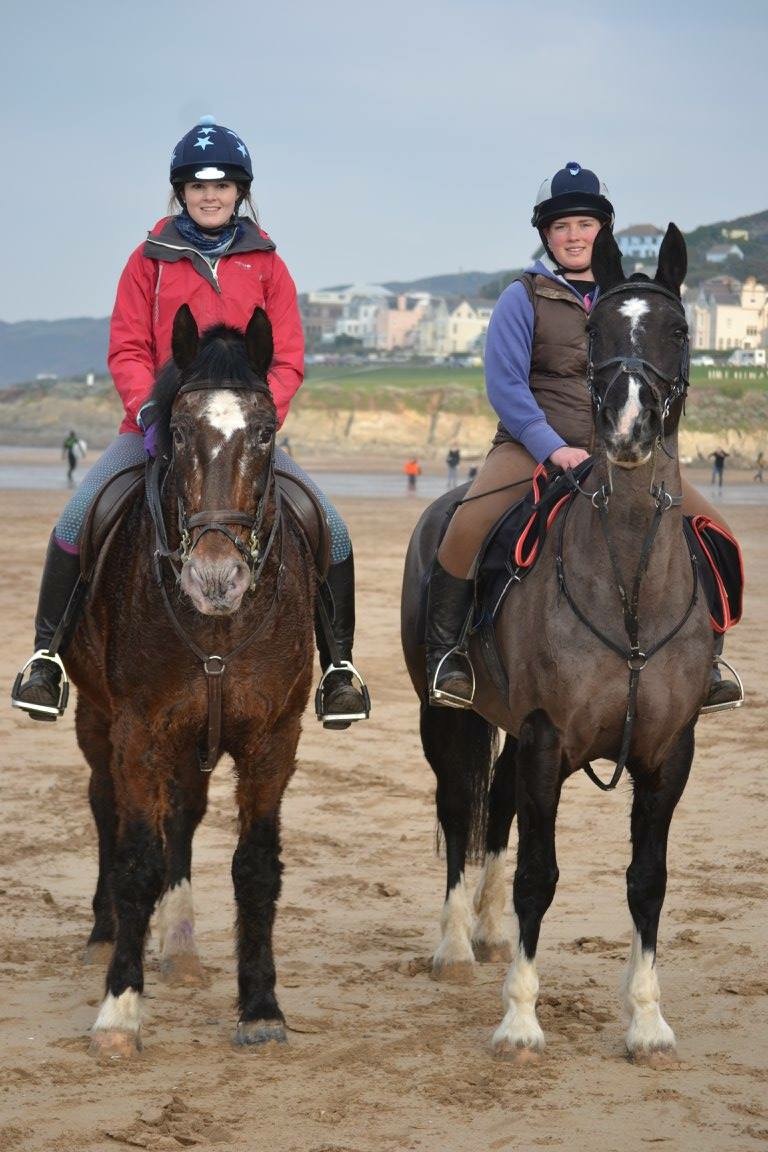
x=164 y=273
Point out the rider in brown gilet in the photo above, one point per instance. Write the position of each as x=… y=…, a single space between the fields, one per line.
x=535 y=362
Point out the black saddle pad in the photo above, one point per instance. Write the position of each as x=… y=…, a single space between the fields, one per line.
x=721 y=569
x=513 y=545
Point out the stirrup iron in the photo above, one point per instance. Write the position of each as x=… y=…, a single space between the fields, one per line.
x=447 y=699
x=47 y=709
x=707 y=709
x=348 y=717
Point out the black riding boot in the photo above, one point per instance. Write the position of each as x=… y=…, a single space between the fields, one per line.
x=338 y=702
x=450 y=677
x=723 y=694
x=42 y=695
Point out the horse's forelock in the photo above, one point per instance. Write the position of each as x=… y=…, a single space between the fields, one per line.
x=221 y=361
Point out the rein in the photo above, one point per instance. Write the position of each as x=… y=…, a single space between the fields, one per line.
x=215 y=520
x=635 y=657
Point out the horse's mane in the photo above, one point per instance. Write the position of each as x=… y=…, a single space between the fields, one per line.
x=221 y=362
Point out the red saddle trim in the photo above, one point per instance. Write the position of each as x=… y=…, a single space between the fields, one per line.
x=699 y=524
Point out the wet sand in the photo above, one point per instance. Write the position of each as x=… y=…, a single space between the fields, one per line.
x=380 y=1057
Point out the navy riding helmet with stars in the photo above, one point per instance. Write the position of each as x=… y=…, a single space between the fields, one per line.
x=573 y=191
x=210 y=152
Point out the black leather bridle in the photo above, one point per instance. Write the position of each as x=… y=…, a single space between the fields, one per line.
x=213 y=520
x=637 y=365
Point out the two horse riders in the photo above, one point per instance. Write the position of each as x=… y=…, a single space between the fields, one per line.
x=535 y=368
x=211 y=254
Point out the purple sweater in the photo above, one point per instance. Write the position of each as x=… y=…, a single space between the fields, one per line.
x=508 y=350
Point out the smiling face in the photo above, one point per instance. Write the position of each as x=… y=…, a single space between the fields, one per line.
x=570 y=241
x=211 y=203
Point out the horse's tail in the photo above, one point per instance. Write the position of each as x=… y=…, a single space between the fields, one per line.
x=461 y=748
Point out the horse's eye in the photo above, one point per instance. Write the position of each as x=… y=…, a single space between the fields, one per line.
x=178 y=437
x=265 y=436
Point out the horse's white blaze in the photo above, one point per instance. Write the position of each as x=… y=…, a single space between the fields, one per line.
x=631 y=409
x=648 y=1030
x=490 y=900
x=520 y=1028
x=119 y=1013
x=456 y=925
x=176 y=921
x=634 y=309
x=223 y=413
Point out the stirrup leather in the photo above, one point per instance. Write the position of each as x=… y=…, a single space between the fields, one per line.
x=447 y=699
x=47 y=709
x=342 y=666
x=707 y=709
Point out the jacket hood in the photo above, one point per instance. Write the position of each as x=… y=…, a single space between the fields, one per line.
x=165 y=236
x=546 y=267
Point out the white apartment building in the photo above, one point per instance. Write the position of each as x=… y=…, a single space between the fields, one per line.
x=726 y=314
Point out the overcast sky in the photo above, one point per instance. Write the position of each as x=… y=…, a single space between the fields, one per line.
x=390 y=140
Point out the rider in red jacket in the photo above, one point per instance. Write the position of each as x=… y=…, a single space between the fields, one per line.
x=213 y=256
x=165 y=272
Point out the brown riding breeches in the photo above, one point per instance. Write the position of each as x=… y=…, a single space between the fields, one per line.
x=508 y=464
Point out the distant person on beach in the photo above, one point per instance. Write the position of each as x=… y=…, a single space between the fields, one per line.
x=285 y=444
x=70 y=450
x=211 y=254
x=535 y=373
x=718 y=458
x=760 y=466
x=452 y=460
x=472 y=472
x=412 y=470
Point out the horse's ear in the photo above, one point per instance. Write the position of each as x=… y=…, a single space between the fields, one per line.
x=259 y=346
x=185 y=338
x=673 y=260
x=606 y=260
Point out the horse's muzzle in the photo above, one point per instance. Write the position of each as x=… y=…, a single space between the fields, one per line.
x=215 y=587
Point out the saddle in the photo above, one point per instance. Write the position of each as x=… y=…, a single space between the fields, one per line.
x=123 y=489
x=513 y=545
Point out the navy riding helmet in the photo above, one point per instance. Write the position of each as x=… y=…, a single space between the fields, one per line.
x=210 y=152
x=573 y=191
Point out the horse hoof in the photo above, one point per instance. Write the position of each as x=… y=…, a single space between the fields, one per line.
x=253 y=1032
x=98 y=954
x=111 y=1044
x=453 y=972
x=516 y=1053
x=492 y=953
x=183 y=971
x=659 y=1058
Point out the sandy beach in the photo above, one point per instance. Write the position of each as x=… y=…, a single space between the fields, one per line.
x=381 y=1058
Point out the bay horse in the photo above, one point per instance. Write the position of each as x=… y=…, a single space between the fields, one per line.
x=607 y=649
x=198 y=640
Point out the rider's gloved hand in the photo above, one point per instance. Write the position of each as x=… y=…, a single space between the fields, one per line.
x=145 y=418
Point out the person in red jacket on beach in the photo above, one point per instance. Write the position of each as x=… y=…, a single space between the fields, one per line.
x=212 y=255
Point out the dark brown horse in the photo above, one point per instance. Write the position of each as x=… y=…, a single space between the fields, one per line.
x=197 y=641
x=607 y=647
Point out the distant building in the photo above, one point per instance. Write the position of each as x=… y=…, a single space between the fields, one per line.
x=396 y=321
x=467 y=326
x=324 y=310
x=726 y=314
x=640 y=241
x=719 y=253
